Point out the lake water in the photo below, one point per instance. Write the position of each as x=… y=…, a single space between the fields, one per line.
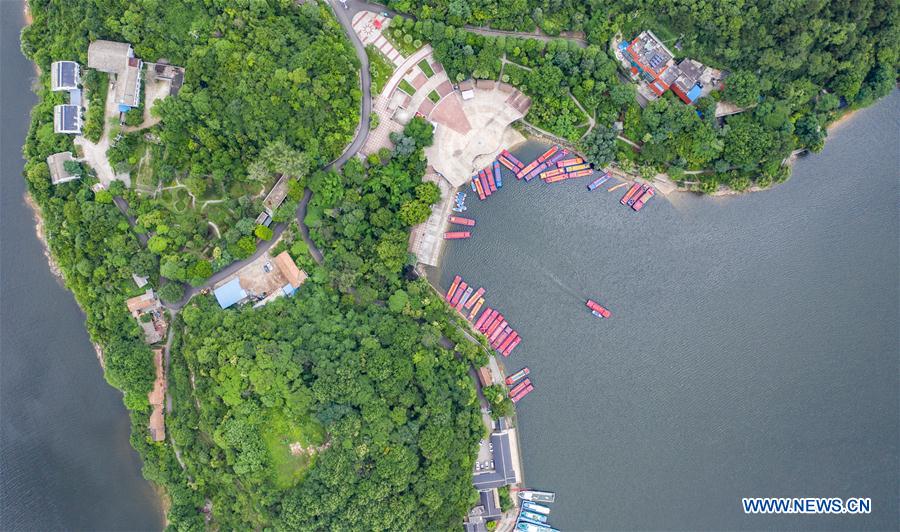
x=752 y=351
x=65 y=459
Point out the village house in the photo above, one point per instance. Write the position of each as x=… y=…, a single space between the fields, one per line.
x=653 y=65
x=117 y=58
x=147 y=310
x=261 y=281
x=58 y=172
x=65 y=75
x=67 y=119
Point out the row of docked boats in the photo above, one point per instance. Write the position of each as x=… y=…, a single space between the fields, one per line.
x=534 y=514
x=637 y=196
x=499 y=333
x=459 y=220
x=519 y=385
x=488 y=180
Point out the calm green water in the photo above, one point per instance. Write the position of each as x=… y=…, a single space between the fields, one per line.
x=65 y=460
x=753 y=349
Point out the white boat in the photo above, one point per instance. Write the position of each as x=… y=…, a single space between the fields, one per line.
x=537 y=496
x=536 y=508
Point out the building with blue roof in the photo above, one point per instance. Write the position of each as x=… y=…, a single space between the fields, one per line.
x=230 y=293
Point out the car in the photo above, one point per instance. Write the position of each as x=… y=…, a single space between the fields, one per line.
x=477 y=466
x=492 y=464
x=491 y=446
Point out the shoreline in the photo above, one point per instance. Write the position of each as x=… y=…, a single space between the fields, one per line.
x=165 y=502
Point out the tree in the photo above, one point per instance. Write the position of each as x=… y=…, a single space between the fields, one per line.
x=421 y=131
x=600 y=145
x=171 y=292
x=262 y=232
x=398 y=301
x=414 y=212
x=742 y=88
x=157 y=244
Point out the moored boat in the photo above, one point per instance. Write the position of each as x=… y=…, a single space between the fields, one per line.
x=534 y=172
x=459 y=220
x=476 y=308
x=637 y=195
x=459 y=292
x=509 y=340
x=597 y=182
x=510 y=347
x=484 y=183
x=645 y=197
x=569 y=162
x=465 y=297
x=455 y=235
x=531 y=506
x=483 y=318
x=512 y=158
x=518 y=375
x=577 y=167
x=477 y=183
x=557 y=156
x=533 y=516
x=518 y=397
x=579 y=173
x=452 y=288
x=538 y=496
x=498 y=176
x=631 y=192
x=475 y=297
x=519 y=387
x=546 y=155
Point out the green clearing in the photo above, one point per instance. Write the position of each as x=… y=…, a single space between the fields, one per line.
x=398 y=38
x=434 y=96
x=426 y=68
x=279 y=433
x=176 y=200
x=379 y=67
x=406 y=87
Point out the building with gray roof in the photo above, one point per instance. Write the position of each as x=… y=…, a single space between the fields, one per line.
x=118 y=58
x=503 y=473
x=67 y=119
x=57 y=164
x=64 y=75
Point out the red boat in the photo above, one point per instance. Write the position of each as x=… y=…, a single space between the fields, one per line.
x=580 y=173
x=452 y=288
x=557 y=156
x=522 y=394
x=484 y=183
x=531 y=175
x=548 y=153
x=509 y=339
x=569 y=162
x=638 y=194
x=462 y=221
x=597 y=309
x=556 y=178
x=511 y=158
x=475 y=309
x=631 y=191
x=478 y=188
x=519 y=387
x=645 y=197
x=517 y=375
x=507 y=163
x=478 y=293
x=498 y=331
x=500 y=339
x=524 y=171
x=456 y=235
x=551 y=173
x=512 y=346
x=483 y=318
x=493 y=326
x=490 y=319
x=459 y=292
x=490 y=177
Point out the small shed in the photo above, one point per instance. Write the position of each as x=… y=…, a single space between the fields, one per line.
x=230 y=293
x=484 y=375
x=57 y=164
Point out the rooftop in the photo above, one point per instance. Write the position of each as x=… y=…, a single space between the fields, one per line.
x=648 y=51
x=58 y=172
x=276 y=196
x=230 y=293
x=64 y=75
x=67 y=118
x=143 y=302
x=294 y=275
x=503 y=473
x=109 y=56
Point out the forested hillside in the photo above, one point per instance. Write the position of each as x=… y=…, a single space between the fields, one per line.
x=345 y=406
x=793 y=67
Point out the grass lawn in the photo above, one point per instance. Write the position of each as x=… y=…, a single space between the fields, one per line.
x=176 y=200
x=279 y=433
x=144 y=172
x=406 y=87
x=380 y=68
x=396 y=38
x=426 y=68
x=434 y=96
